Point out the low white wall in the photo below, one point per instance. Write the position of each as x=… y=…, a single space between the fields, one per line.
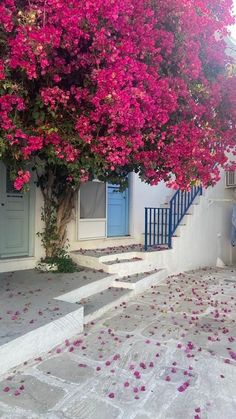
x=206 y=236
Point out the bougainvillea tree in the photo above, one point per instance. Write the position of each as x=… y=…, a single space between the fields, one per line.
x=97 y=89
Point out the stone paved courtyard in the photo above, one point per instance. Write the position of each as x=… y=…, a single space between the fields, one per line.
x=170 y=353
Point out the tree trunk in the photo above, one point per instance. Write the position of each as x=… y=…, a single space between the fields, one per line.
x=64 y=215
x=57 y=212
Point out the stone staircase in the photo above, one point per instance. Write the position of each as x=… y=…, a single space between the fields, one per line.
x=130 y=273
x=121 y=264
x=89 y=300
x=112 y=291
x=119 y=292
x=123 y=273
x=131 y=270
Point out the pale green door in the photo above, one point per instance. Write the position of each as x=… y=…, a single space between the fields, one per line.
x=14 y=218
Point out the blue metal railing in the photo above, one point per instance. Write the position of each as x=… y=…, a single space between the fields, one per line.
x=161 y=223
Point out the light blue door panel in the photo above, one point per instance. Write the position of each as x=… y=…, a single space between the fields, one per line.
x=117 y=212
x=14 y=218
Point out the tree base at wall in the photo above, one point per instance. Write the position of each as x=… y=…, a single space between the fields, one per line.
x=57 y=264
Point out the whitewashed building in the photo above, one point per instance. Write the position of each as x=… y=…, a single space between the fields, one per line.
x=105 y=217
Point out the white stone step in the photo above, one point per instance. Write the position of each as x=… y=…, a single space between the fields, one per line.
x=121 y=264
x=86 y=261
x=121 y=291
x=98 y=304
x=82 y=305
x=167 y=204
x=40 y=340
x=141 y=282
x=130 y=268
x=87 y=289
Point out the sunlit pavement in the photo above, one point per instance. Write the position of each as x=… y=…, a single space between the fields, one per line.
x=169 y=353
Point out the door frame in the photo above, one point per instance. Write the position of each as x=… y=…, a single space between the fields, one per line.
x=126 y=213
x=31 y=217
x=79 y=221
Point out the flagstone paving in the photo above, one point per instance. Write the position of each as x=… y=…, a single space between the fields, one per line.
x=167 y=354
x=27 y=299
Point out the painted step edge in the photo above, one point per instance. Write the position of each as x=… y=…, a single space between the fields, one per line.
x=196 y=201
x=17 y=264
x=90 y=262
x=155 y=279
x=102 y=310
x=144 y=283
x=133 y=292
x=129 y=268
x=168 y=205
x=41 y=340
x=86 y=261
x=87 y=290
x=120 y=256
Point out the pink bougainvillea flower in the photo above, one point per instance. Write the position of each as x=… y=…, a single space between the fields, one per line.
x=233 y=355
x=137 y=374
x=190 y=345
x=17 y=393
x=183 y=387
x=142 y=365
x=103 y=88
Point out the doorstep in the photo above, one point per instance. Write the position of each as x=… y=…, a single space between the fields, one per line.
x=102 y=243
x=17 y=263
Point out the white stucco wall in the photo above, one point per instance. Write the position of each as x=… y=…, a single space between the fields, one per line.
x=204 y=241
x=143 y=195
x=207 y=235
x=205 y=238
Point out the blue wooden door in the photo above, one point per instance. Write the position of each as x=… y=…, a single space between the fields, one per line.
x=117 y=212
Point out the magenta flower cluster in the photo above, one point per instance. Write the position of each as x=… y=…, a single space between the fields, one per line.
x=110 y=86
